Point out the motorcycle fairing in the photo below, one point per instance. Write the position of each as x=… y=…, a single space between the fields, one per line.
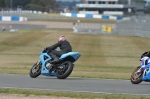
x=145 y=63
x=146 y=75
x=44 y=70
x=75 y=55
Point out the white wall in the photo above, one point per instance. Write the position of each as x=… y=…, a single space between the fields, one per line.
x=113 y=13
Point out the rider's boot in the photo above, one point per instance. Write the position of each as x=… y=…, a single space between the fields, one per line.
x=55 y=58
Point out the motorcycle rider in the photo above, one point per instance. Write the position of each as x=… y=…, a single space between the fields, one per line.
x=145 y=58
x=64 y=46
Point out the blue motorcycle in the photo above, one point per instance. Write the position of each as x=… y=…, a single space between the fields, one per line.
x=61 y=69
x=142 y=73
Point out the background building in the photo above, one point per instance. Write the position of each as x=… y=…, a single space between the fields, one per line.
x=106 y=7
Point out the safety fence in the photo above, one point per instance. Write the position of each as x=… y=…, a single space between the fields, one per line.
x=92 y=16
x=23 y=11
x=136 y=26
x=94 y=28
x=12 y=18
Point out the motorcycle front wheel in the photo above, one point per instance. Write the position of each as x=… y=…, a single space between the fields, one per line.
x=35 y=71
x=136 y=77
x=64 y=70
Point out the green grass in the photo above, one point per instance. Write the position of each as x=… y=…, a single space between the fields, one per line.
x=103 y=56
x=75 y=20
x=75 y=95
x=60 y=18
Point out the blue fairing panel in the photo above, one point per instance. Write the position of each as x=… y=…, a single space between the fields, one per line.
x=42 y=57
x=44 y=70
x=75 y=55
x=146 y=76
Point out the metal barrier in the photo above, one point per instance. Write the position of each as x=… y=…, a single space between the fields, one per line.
x=136 y=26
x=24 y=11
x=76 y=15
x=12 y=18
x=94 y=28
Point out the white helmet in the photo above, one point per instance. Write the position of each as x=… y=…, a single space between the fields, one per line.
x=62 y=38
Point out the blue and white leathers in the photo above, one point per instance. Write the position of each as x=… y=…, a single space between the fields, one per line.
x=145 y=65
x=45 y=58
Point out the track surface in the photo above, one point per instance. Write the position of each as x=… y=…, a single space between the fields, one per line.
x=69 y=84
x=74 y=84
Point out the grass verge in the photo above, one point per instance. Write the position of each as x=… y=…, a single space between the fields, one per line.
x=60 y=18
x=102 y=56
x=72 y=20
x=75 y=95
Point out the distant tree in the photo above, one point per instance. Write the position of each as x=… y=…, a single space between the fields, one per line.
x=20 y=3
x=69 y=4
x=47 y=4
x=15 y=3
x=40 y=4
x=2 y=3
x=139 y=1
x=34 y=1
x=35 y=7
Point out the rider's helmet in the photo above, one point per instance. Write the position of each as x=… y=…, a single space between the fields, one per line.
x=62 y=38
x=144 y=58
x=145 y=54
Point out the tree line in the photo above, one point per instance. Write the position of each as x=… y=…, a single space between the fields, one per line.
x=69 y=4
x=41 y=5
x=140 y=1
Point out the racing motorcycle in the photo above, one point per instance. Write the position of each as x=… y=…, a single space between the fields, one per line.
x=142 y=72
x=61 y=69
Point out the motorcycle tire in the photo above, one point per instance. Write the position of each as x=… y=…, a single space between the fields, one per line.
x=139 y=78
x=37 y=73
x=67 y=72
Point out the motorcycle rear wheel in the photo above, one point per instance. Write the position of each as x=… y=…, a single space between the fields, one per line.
x=136 y=77
x=65 y=70
x=35 y=71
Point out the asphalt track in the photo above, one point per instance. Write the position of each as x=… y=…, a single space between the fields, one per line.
x=70 y=84
x=107 y=86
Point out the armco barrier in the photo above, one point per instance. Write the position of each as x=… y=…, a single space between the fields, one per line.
x=24 y=11
x=92 y=16
x=12 y=18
